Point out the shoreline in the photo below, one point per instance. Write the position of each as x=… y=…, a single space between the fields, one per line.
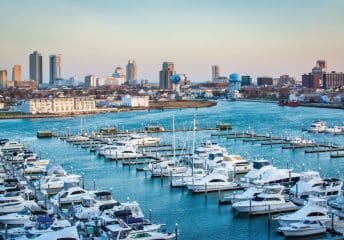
x=154 y=105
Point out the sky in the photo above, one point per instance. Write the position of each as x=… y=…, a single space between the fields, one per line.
x=255 y=37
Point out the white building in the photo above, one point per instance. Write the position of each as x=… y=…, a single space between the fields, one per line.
x=90 y=81
x=58 y=105
x=135 y=101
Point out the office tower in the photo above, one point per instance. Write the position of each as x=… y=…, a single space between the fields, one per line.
x=36 y=72
x=165 y=74
x=310 y=81
x=131 y=71
x=16 y=73
x=215 y=71
x=246 y=80
x=54 y=68
x=91 y=81
x=333 y=80
x=261 y=81
x=3 y=78
x=322 y=64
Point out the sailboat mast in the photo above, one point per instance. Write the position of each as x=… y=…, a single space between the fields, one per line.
x=174 y=141
x=193 y=143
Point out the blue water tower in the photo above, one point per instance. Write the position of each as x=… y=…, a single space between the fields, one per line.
x=234 y=82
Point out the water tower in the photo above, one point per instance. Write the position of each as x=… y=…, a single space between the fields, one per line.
x=175 y=80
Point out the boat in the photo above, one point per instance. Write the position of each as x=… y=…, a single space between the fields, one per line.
x=154 y=129
x=95 y=204
x=44 y=134
x=300 y=142
x=166 y=168
x=142 y=140
x=11 y=204
x=248 y=194
x=239 y=164
x=277 y=176
x=53 y=184
x=123 y=153
x=337 y=203
x=303 y=228
x=108 y=148
x=288 y=103
x=12 y=147
x=334 y=129
x=315 y=209
x=182 y=179
x=217 y=180
x=259 y=167
x=318 y=127
x=45 y=224
x=308 y=181
x=70 y=195
x=270 y=200
x=14 y=218
x=33 y=168
x=70 y=233
x=330 y=188
x=223 y=126
x=151 y=236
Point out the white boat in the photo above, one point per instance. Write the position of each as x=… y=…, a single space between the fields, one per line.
x=92 y=206
x=303 y=228
x=12 y=147
x=315 y=209
x=123 y=153
x=218 y=179
x=77 y=139
x=142 y=140
x=329 y=189
x=270 y=200
x=318 y=127
x=182 y=179
x=151 y=236
x=297 y=141
x=334 y=129
x=277 y=176
x=239 y=164
x=46 y=224
x=337 y=203
x=108 y=148
x=33 y=168
x=258 y=169
x=250 y=193
x=70 y=233
x=308 y=181
x=166 y=168
x=71 y=195
x=14 y=219
x=53 y=184
x=11 y=204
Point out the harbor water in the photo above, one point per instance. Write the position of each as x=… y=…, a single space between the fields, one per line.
x=199 y=216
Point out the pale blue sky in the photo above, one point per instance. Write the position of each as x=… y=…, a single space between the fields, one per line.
x=257 y=37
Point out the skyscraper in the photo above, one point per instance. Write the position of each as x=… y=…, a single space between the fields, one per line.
x=165 y=74
x=131 y=71
x=322 y=64
x=36 y=72
x=215 y=71
x=3 y=78
x=90 y=81
x=16 y=73
x=55 y=68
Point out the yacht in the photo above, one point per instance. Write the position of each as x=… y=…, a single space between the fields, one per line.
x=12 y=147
x=258 y=169
x=166 y=168
x=92 y=206
x=303 y=228
x=277 y=176
x=70 y=233
x=151 y=236
x=315 y=209
x=108 y=148
x=241 y=165
x=123 y=153
x=217 y=180
x=11 y=204
x=77 y=139
x=337 y=203
x=71 y=195
x=14 y=218
x=248 y=194
x=45 y=224
x=318 y=127
x=182 y=179
x=53 y=184
x=329 y=189
x=270 y=200
x=301 y=142
x=31 y=168
x=142 y=140
x=334 y=129
x=308 y=181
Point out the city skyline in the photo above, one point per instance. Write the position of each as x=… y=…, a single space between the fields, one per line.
x=244 y=37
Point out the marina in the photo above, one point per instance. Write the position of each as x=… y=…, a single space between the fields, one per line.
x=191 y=211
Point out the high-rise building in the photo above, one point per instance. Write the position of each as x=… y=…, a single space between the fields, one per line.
x=215 y=71
x=3 y=78
x=36 y=72
x=16 y=73
x=261 y=81
x=310 y=81
x=322 y=64
x=131 y=71
x=91 y=81
x=165 y=74
x=54 y=68
x=333 y=80
x=246 y=80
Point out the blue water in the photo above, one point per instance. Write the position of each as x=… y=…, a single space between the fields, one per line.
x=198 y=216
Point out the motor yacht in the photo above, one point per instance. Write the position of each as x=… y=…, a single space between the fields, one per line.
x=277 y=176
x=92 y=206
x=303 y=228
x=315 y=209
x=270 y=200
x=248 y=194
x=123 y=153
x=31 y=168
x=329 y=189
x=334 y=129
x=301 y=142
x=218 y=179
x=318 y=127
x=308 y=181
x=70 y=233
x=70 y=195
x=11 y=204
x=14 y=218
x=240 y=165
x=151 y=236
x=259 y=167
x=53 y=184
x=337 y=203
x=108 y=148
x=142 y=140
x=166 y=169
x=182 y=179
x=45 y=224
x=77 y=139
x=12 y=147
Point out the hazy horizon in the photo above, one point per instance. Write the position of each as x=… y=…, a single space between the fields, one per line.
x=258 y=38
